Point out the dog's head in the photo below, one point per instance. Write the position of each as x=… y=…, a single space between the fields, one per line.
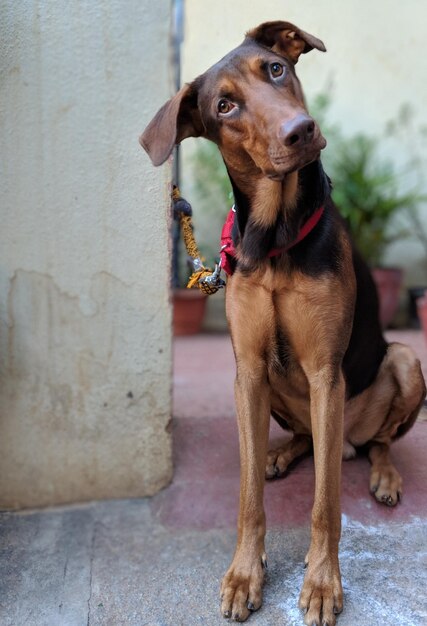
x=250 y=104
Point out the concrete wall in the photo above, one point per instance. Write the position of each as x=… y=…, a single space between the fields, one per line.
x=85 y=340
x=374 y=64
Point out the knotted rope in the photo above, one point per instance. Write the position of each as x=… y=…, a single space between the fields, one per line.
x=207 y=280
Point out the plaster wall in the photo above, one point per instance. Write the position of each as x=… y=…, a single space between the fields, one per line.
x=85 y=335
x=374 y=65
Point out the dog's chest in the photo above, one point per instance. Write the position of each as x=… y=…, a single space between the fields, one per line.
x=290 y=396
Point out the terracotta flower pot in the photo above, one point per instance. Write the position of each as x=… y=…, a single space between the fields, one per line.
x=422 y=313
x=188 y=311
x=388 y=281
x=414 y=293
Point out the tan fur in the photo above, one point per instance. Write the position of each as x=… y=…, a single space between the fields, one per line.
x=271 y=196
x=290 y=191
x=267 y=202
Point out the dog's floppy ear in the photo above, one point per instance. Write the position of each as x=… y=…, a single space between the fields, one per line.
x=286 y=39
x=177 y=119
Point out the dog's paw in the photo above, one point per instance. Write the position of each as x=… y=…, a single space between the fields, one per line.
x=321 y=597
x=386 y=485
x=241 y=588
x=277 y=463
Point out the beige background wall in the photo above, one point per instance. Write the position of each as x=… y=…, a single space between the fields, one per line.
x=375 y=62
x=85 y=345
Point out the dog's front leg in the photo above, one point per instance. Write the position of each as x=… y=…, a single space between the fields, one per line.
x=321 y=595
x=241 y=589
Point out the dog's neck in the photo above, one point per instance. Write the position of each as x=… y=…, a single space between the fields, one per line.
x=270 y=213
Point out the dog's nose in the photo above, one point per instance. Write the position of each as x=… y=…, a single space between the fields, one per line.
x=298 y=131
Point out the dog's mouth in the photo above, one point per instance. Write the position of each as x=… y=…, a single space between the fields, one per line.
x=283 y=163
x=283 y=167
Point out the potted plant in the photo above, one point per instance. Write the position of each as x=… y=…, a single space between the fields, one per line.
x=417 y=301
x=366 y=192
x=407 y=132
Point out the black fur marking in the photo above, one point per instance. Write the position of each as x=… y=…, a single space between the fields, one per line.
x=317 y=253
x=280 y=420
x=242 y=206
x=367 y=346
x=320 y=251
x=257 y=242
x=314 y=188
x=283 y=350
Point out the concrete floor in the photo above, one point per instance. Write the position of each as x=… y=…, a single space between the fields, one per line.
x=159 y=561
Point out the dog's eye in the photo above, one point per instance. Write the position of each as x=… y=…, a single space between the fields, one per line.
x=225 y=106
x=276 y=70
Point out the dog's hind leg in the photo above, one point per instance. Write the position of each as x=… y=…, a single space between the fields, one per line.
x=279 y=459
x=385 y=482
x=405 y=370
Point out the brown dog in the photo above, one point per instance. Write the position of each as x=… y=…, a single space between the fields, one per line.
x=301 y=307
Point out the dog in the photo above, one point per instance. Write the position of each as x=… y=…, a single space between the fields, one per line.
x=301 y=307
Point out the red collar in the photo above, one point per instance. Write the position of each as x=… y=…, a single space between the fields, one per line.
x=228 y=251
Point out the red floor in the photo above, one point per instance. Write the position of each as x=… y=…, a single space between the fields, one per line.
x=204 y=493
